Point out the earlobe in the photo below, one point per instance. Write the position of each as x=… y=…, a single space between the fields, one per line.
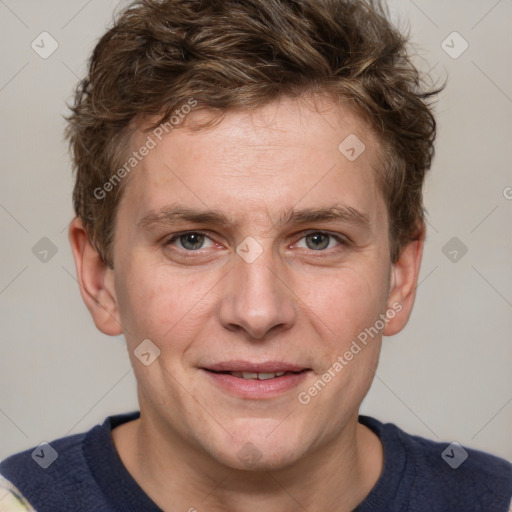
x=95 y=279
x=404 y=279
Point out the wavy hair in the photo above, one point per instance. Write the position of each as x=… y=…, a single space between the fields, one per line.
x=243 y=54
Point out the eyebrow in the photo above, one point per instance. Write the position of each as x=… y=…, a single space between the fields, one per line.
x=170 y=215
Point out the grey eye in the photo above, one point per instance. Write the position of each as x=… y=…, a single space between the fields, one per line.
x=191 y=241
x=318 y=241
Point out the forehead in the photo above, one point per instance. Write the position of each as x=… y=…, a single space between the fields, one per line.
x=259 y=162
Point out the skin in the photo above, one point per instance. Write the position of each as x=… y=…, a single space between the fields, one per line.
x=293 y=303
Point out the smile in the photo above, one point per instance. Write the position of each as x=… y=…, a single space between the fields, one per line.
x=256 y=385
x=259 y=376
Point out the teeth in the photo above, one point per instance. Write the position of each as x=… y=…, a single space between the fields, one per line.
x=264 y=376
x=259 y=376
x=248 y=375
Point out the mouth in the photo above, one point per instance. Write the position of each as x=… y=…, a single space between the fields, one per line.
x=258 y=375
x=256 y=380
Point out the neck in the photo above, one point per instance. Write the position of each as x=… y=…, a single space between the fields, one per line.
x=177 y=475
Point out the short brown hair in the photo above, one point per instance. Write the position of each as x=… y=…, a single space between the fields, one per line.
x=243 y=54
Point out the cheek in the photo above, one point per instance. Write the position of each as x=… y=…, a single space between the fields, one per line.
x=342 y=313
x=161 y=305
x=347 y=300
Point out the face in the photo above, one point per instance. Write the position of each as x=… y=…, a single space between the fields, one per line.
x=255 y=246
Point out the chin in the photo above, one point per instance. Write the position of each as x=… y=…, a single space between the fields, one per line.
x=261 y=446
x=250 y=458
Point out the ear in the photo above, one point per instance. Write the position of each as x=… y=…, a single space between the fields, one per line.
x=404 y=279
x=96 y=281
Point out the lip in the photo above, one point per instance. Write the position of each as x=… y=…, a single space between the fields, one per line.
x=262 y=367
x=254 y=388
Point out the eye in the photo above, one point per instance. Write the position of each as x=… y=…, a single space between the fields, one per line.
x=319 y=241
x=190 y=241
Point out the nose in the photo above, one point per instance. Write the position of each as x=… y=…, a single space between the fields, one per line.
x=257 y=298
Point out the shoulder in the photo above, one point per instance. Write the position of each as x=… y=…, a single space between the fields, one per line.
x=58 y=465
x=461 y=475
x=448 y=474
x=452 y=460
x=60 y=475
x=42 y=460
x=11 y=499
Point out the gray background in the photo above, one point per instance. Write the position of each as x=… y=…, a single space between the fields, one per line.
x=447 y=376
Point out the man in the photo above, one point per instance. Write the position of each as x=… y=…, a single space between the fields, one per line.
x=249 y=215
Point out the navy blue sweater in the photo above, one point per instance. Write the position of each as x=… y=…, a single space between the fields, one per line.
x=419 y=475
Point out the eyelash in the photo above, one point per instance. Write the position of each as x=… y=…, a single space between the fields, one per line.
x=342 y=241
